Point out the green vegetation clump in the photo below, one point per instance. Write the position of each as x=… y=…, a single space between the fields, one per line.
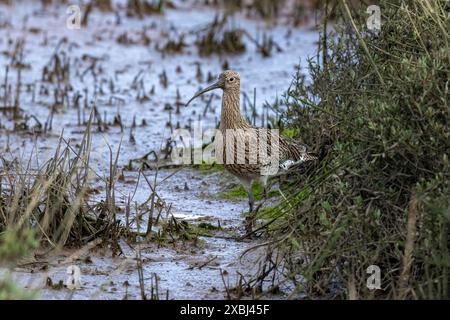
x=381 y=194
x=10 y=291
x=14 y=244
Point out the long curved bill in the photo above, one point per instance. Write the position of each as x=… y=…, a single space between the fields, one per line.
x=216 y=85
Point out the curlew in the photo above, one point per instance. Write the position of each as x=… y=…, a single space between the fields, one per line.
x=288 y=153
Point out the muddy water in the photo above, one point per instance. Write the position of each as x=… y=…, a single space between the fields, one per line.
x=182 y=270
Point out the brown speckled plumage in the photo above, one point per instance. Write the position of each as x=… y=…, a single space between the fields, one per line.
x=290 y=152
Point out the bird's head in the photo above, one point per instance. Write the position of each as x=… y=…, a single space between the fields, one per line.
x=228 y=81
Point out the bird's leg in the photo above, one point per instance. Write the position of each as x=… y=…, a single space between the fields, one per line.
x=251 y=201
x=263 y=181
x=247 y=184
x=250 y=220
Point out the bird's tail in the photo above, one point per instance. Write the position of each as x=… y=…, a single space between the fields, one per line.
x=307 y=157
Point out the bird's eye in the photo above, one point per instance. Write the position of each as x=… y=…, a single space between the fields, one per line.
x=231 y=79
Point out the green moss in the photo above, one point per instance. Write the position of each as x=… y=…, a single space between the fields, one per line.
x=266 y=213
x=290 y=132
x=208 y=168
x=239 y=192
x=9 y=290
x=194 y=230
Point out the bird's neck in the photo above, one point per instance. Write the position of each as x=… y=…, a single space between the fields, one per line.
x=231 y=117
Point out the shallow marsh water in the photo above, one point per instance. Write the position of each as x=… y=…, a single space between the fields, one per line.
x=182 y=269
